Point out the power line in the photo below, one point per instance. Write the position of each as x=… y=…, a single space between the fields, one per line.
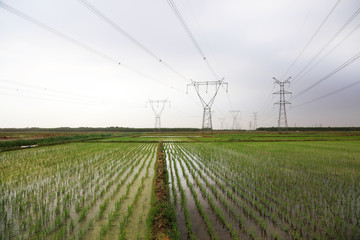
x=312 y=37
x=326 y=55
x=37 y=97
x=191 y=36
x=54 y=31
x=118 y=28
x=74 y=41
x=107 y=20
x=72 y=95
x=348 y=62
x=329 y=94
x=329 y=42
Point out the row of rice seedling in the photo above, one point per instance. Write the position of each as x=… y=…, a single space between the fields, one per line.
x=192 y=188
x=248 y=216
x=185 y=227
x=115 y=221
x=310 y=191
x=58 y=187
x=44 y=186
x=104 y=203
x=240 y=220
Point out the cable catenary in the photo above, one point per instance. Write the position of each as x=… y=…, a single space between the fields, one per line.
x=329 y=42
x=191 y=36
x=348 y=62
x=111 y=23
x=312 y=38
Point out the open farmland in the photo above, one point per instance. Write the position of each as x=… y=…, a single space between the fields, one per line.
x=79 y=190
x=266 y=190
x=219 y=186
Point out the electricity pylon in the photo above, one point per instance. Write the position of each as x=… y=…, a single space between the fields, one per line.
x=160 y=105
x=282 y=120
x=207 y=119
x=235 y=115
x=255 y=120
x=222 y=120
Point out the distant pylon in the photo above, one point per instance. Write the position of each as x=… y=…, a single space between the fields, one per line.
x=255 y=120
x=160 y=105
x=222 y=120
x=282 y=120
x=207 y=118
x=235 y=115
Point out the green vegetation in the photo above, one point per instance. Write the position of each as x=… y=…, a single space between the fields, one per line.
x=162 y=218
x=69 y=190
x=212 y=185
x=15 y=144
x=283 y=189
x=236 y=136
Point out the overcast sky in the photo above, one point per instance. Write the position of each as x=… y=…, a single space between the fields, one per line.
x=63 y=70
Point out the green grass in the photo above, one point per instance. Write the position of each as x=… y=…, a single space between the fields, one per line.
x=239 y=136
x=14 y=144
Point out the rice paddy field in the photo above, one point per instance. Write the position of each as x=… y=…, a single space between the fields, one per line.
x=217 y=186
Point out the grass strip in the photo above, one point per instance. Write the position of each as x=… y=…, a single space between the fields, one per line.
x=162 y=218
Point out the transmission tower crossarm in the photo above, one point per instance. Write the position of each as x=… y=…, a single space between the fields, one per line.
x=207 y=82
x=160 y=106
x=282 y=92
x=207 y=118
x=283 y=102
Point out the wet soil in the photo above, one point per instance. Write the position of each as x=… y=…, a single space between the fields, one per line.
x=160 y=224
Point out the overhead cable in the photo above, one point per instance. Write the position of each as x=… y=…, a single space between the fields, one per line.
x=329 y=42
x=53 y=92
x=312 y=37
x=111 y=23
x=345 y=64
x=74 y=41
x=327 y=54
x=329 y=94
x=191 y=36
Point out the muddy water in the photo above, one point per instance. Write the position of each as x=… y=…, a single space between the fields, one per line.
x=249 y=223
x=198 y=224
x=94 y=232
x=180 y=216
x=229 y=217
x=218 y=226
x=92 y=211
x=114 y=230
x=136 y=226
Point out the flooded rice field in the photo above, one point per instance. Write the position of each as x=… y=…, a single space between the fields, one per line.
x=235 y=191
x=79 y=191
x=215 y=190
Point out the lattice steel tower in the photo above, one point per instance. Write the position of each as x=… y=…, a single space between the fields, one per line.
x=255 y=120
x=160 y=105
x=207 y=119
x=222 y=120
x=235 y=115
x=282 y=120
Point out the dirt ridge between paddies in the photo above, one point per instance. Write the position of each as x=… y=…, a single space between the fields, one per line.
x=162 y=215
